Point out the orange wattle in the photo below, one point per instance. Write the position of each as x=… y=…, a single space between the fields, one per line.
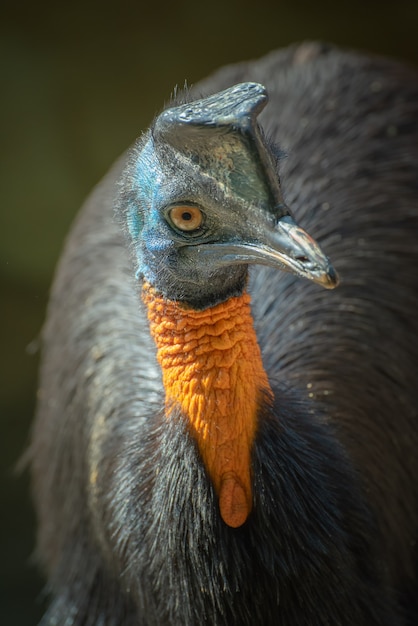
x=212 y=369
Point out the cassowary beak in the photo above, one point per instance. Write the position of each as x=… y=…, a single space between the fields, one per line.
x=290 y=247
x=285 y=246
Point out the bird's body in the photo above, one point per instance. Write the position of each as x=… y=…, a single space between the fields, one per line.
x=320 y=521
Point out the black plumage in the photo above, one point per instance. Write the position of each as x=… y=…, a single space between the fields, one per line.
x=129 y=527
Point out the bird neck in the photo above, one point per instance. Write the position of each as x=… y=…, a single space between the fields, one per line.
x=212 y=370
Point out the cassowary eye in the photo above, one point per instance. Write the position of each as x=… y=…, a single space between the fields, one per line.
x=186 y=218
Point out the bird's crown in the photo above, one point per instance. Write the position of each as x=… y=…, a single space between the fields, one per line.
x=219 y=136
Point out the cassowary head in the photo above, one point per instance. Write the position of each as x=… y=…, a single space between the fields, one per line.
x=203 y=200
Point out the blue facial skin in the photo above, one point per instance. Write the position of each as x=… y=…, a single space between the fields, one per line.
x=149 y=231
x=163 y=255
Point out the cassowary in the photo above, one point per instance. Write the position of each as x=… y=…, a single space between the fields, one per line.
x=219 y=442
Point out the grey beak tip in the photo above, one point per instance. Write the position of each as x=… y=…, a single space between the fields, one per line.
x=332 y=278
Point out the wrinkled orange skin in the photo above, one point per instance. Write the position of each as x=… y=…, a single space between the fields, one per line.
x=212 y=369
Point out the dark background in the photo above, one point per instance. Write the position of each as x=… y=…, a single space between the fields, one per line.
x=78 y=83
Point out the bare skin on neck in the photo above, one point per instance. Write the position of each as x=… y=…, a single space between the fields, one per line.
x=212 y=369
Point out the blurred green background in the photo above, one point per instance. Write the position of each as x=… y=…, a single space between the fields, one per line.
x=79 y=82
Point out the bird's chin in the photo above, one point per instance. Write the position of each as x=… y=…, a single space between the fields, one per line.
x=195 y=282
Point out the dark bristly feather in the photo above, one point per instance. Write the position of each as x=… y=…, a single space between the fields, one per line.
x=129 y=527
